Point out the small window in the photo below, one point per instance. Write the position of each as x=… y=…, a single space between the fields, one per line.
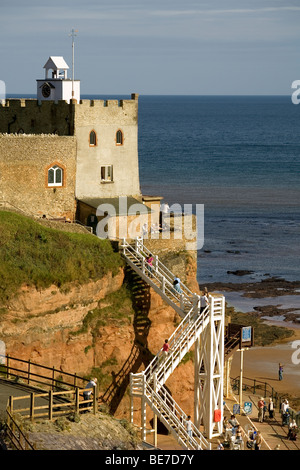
x=55 y=176
x=119 y=137
x=106 y=173
x=93 y=139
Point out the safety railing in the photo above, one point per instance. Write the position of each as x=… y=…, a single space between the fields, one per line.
x=34 y=373
x=17 y=437
x=158 y=277
x=169 y=412
x=180 y=342
x=149 y=384
x=51 y=404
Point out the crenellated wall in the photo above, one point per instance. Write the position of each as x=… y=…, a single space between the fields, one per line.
x=31 y=116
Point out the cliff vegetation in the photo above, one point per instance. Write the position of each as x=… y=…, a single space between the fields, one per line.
x=40 y=256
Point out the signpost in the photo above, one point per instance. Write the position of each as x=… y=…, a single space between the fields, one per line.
x=246 y=341
x=248 y=407
x=236 y=409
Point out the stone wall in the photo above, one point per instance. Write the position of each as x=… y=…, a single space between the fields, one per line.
x=30 y=116
x=24 y=163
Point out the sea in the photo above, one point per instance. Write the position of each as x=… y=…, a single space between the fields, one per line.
x=238 y=157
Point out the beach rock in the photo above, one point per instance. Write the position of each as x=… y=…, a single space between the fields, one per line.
x=240 y=272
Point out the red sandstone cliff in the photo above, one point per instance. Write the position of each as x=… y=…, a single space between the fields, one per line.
x=109 y=328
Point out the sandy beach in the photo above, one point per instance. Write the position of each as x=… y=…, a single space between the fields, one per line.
x=261 y=363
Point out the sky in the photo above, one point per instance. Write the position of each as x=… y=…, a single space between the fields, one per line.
x=174 y=47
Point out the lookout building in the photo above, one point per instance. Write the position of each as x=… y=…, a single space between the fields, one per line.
x=62 y=157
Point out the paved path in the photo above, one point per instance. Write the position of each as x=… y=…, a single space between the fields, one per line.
x=272 y=431
x=8 y=388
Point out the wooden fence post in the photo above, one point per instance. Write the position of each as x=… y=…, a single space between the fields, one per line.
x=77 y=400
x=7 y=367
x=32 y=406
x=28 y=372
x=53 y=376
x=50 y=405
x=95 y=400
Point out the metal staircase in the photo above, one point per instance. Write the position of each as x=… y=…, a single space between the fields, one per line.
x=196 y=323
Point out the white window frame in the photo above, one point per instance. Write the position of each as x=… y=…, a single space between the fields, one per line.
x=106 y=174
x=56 y=184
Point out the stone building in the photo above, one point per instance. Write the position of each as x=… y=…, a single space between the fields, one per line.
x=66 y=158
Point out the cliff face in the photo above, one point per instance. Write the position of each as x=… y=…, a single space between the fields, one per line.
x=107 y=328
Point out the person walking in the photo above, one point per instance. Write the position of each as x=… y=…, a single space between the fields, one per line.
x=189 y=426
x=285 y=415
x=166 y=348
x=176 y=285
x=261 y=406
x=258 y=441
x=149 y=261
x=271 y=408
x=280 y=371
x=234 y=423
x=89 y=389
x=203 y=302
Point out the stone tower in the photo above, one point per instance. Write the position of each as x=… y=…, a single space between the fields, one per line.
x=62 y=158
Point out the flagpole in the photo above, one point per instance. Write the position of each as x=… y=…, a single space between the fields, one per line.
x=72 y=34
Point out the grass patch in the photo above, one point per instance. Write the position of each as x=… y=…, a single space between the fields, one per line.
x=39 y=256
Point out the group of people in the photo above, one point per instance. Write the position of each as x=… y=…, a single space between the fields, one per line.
x=263 y=409
x=285 y=415
x=233 y=435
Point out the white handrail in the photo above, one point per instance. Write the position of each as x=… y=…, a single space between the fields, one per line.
x=149 y=383
x=186 y=330
x=164 y=403
x=142 y=252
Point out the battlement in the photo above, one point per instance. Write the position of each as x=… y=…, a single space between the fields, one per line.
x=16 y=103
x=110 y=103
x=32 y=116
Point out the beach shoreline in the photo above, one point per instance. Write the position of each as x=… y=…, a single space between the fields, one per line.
x=273 y=299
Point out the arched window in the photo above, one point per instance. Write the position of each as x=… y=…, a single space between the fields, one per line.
x=55 y=176
x=119 y=137
x=93 y=139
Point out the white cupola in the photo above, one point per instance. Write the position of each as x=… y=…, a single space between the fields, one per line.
x=56 y=86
